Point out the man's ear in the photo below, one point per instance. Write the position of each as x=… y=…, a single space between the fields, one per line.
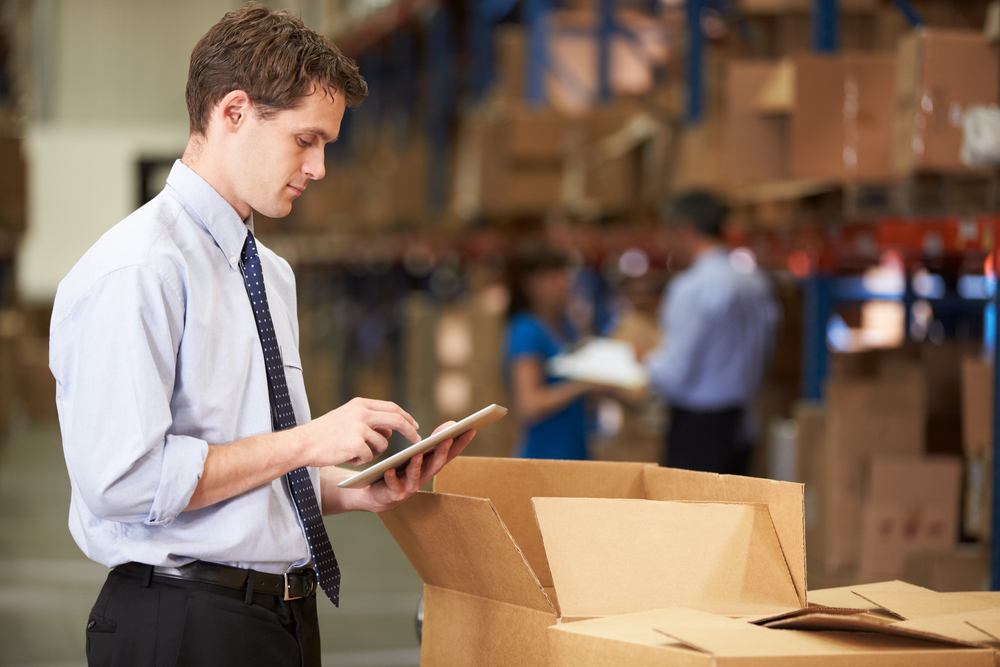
x=233 y=109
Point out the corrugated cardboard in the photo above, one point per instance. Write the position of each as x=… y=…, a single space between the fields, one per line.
x=969 y=626
x=658 y=551
x=940 y=74
x=693 y=638
x=910 y=605
x=912 y=506
x=853 y=596
x=825 y=621
x=977 y=406
x=491 y=568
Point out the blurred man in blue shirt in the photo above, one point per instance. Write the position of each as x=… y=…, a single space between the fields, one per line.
x=719 y=318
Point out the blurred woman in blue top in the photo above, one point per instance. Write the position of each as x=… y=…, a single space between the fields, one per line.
x=551 y=411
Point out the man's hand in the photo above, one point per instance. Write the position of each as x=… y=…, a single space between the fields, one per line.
x=392 y=489
x=355 y=433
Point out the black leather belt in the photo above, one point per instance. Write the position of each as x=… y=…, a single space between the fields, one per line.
x=290 y=585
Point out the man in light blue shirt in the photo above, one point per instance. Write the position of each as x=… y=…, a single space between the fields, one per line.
x=167 y=394
x=718 y=320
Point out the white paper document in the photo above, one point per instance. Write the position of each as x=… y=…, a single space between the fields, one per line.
x=601 y=360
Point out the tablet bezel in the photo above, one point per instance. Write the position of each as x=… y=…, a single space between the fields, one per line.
x=372 y=474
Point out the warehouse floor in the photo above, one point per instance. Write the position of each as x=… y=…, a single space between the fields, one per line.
x=47 y=586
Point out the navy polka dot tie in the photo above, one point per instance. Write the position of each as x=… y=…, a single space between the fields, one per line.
x=282 y=417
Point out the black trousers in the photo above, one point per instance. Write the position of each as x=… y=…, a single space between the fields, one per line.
x=709 y=441
x=144 y=620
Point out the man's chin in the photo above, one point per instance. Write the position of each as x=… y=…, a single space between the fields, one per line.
x=275 y=210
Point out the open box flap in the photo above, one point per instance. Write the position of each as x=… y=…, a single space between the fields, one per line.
x=987 y=622
x=969 y=626
x=510 y=484
x=460 y=543
x=822 y=621
x=614 y=556
x=909 y=605
x=785 y=501
x=844 y=596
x=639 y=627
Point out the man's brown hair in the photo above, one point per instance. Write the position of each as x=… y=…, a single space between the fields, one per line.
x=273 y=57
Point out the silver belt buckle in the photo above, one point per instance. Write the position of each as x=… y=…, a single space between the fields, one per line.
x=287 y=596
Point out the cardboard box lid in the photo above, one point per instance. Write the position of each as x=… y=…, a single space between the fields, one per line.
x=785 y=502
x=510 y=484
x=443 y=536
x=615 y=556
x=909 y=605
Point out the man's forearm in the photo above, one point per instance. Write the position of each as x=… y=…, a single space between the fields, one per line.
x=243 y=465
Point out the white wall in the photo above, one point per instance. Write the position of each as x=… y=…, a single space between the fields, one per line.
x=115 y=93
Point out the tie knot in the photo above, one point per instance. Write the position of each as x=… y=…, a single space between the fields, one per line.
x=249 y=247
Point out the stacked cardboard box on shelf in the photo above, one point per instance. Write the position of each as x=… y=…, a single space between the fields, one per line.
x=562 y=563
x=514 y=160
x=884 y=126
x=940 y=74
x=387 y=190
x=877 y=504
x=826 y=118
x=865 y=417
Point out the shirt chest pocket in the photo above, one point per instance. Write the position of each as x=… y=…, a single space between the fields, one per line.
x=293 y=379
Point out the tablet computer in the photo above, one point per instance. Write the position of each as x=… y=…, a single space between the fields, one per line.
x=476 y=421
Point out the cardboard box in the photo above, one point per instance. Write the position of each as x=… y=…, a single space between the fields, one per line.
x=866 y=417
x=965 y=568
x=971 y=617
x=756 y=142
x=514 y=161
x=818 y=118
x=676 y=636
x=912 y=506
x=841 y=126
x=977 y=406
x=940 y=74
x=508 y=547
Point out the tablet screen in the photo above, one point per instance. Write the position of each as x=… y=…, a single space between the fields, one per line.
x=476 y=421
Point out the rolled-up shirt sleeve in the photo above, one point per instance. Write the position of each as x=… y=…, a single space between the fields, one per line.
x=113 y=354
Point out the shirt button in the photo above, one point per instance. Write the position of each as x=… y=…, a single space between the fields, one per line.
x=233 y=259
